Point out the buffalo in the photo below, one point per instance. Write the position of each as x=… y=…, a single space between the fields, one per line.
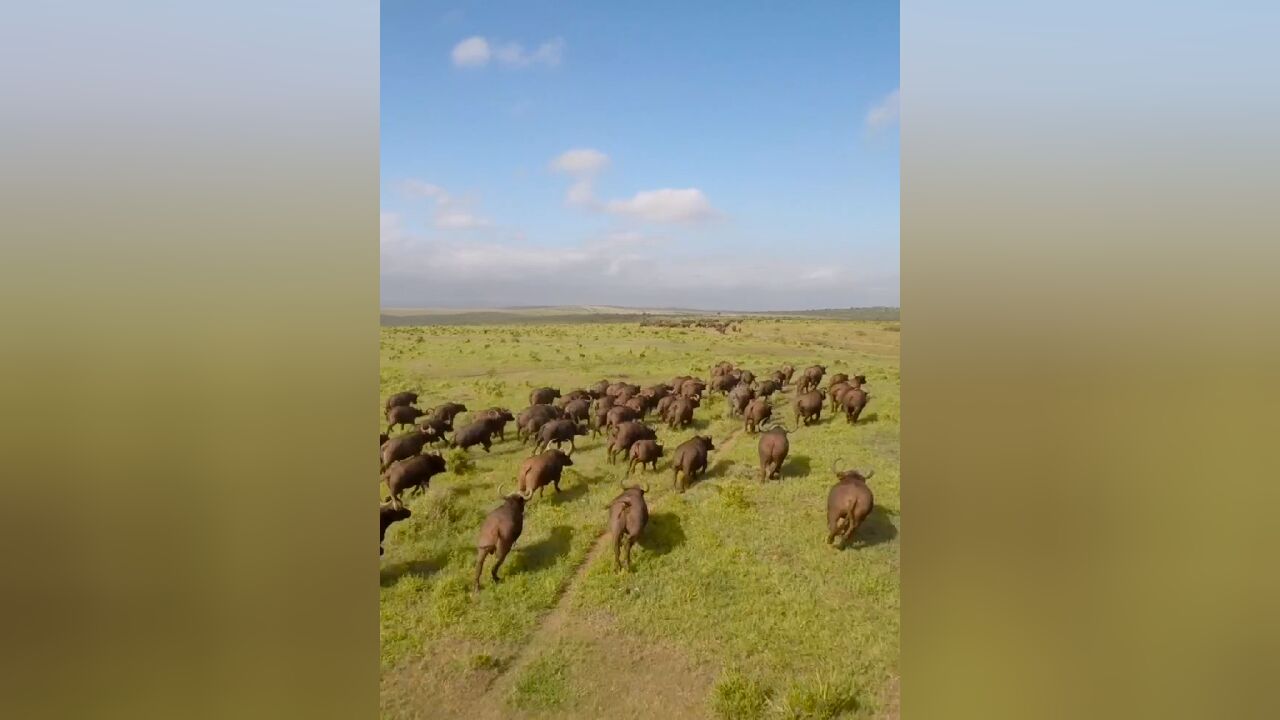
x=388 y=514
x=436 y=428
x=628 y=516
x=414 y=472
x=447 y=412
x=663 y=404
x=755 y=414
x=501 y=528
x=773 y=448
x=723 y=383
x=747 y=377
x=599 y=389
x=739 y=398
x=539 y=471
x=835 y=393
x=532 y=418
x=813 y=374
x=854 y=400
x=836 y=379
x=578 y=410
x=679 y=414
x=402 y=398
x=496 y=418
x=690 y=459
x=619 y=414
x=808 y=407
x=644 y=452
x=787 y=371
x=765 y=388
x=558 y=432
x=626 y=435
x=382 y=439
x=570 y=396
x=402 y=415
x=848 y=503
x=477 y=433
x=692 y=388
x=543 y=396
x=639 y=403
x=404 y=446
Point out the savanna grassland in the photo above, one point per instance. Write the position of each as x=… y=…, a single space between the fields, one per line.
x=737 y=607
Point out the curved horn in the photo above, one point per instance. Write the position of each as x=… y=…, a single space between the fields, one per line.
x=866 y=475
x=646 y=487
x=835 y=466
x=527 y=495
x=501 y=494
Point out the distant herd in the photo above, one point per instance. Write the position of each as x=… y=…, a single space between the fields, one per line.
x=618 y=410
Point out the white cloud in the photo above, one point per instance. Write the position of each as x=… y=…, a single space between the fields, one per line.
x=513 y=55
x=625 y=268
x=665 y=205
x=580 y=161
x=885 y=113
x=450 y=212
x=472 y=52
x=476 y=52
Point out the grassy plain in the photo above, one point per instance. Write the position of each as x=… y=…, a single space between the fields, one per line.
x=737 y=608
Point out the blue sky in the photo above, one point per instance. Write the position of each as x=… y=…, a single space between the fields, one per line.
x=660 y=154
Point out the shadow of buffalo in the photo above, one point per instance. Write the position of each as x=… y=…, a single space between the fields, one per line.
x=875 y=529
x=663 y=533
x=545 y=552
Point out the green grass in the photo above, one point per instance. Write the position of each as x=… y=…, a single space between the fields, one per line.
x=734 y=574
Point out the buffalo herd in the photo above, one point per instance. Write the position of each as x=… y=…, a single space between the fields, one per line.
x=622 y=412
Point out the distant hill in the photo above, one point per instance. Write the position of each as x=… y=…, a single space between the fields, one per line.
x=549 y=314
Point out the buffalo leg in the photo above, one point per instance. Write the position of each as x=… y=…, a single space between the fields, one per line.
x=617 y=544
x=481 y=554
x=503 y=548
x=853 y=525
x=631 y=466
x=627 y=551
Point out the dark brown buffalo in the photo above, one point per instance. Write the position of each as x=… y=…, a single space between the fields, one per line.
x=663 y=404
x=599 y=420
x=402 y=415
x=644 y=452
x=787 y=371
x=414 y=472
x=558 y=432
x=476 y=433
x=543 y=396
x=539 y=471
x=640 y=404
x=382 y=439
x=724 y=367
x=690 y=459
x=678 y=381
x=657 y=391
x=747 y=377
x=849 y=502
x=835 y=392
x=496 y=418
x=837 y=378
x=578 y=410
x=564 y=400
x=755 y=414
x=854 y=400
x=808 y=407
x=765 y=388
x=388 y=514
x=693 y=387
x=722 y=383
x=628 y=516
x=501 y=528
x=813 y=374
x=773 y=448
x=779 y=377
x=404 y=446
x=599 y=389
x=739 y=398
x=402 y=398
x=679 y=414
x=619 y=414
x=435 y=428
x=626 y=435
x=447 y=412
x=532 y=418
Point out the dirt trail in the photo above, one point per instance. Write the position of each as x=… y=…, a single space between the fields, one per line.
x=553 y=627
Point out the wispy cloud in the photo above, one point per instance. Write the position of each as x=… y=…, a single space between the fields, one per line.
x=622 y=268
x=884 y=114
x=449 y=211
x=477 y=51
x=664 y=205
